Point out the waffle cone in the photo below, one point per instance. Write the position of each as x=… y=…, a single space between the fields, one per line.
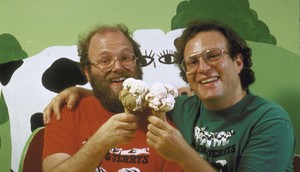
x=159 y=114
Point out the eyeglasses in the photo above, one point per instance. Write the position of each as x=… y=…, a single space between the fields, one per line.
x=106 y=64
x=212 y=57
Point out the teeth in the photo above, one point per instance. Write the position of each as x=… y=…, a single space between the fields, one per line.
x=118 y=80
x=209 y=80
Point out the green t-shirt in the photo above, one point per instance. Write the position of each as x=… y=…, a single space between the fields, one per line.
x=253 y=135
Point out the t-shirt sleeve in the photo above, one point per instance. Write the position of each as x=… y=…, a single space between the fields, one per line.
x=271 y=144
x=59 y=135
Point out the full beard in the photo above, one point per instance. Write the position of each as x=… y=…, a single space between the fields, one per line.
x=109 y=99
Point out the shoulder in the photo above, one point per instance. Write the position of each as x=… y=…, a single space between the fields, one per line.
x=268 y=108
x=269 y=115
x=87 y=105
x=87 y=101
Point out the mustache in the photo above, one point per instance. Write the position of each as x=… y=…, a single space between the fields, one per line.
x=113 y=77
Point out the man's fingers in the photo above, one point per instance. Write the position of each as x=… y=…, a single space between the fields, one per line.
x=46 y=115
x=157 y=122
x=130 y=125
x=71 y=101
x=128 y=117
x=150 y=135
x=56 y=110
x=46 y=118
x=154 y=130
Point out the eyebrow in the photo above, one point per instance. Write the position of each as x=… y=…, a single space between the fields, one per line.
x=107 y=53
x=197 y=53
x=200 y=52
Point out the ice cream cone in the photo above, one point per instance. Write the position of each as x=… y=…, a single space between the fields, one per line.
x=161 y=99
x=159 y=114
x=132 y=95
x=127 y=110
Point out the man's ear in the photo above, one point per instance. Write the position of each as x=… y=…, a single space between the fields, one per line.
x=239 y=62
x=86 y=73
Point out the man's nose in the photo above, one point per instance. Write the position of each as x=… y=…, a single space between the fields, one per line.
x=203 y=65
x=117 y=65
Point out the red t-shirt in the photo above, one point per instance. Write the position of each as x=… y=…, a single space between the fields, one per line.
x=76 y=127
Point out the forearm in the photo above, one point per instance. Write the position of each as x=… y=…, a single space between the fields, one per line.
x=191 y=161
x=88 y=158
x=84 y=92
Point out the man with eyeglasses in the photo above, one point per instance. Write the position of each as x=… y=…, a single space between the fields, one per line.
x=98 y=135
x=230 y=128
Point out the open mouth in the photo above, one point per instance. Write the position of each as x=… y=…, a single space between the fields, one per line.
x=209 y=80
x=117 y=80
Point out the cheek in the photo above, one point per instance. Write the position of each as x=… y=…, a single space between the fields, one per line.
x=96 y=75
x=192 y=81
x=190 y=78
x=135 y=72
x=228 y=69
x=230 y=75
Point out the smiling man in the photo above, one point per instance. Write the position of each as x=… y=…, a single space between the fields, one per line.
x=98 y=135
x=231 y=128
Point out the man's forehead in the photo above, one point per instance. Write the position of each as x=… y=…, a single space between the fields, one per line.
x=110 y=39
x=115 y=44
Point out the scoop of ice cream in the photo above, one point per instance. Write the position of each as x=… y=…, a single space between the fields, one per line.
x=128 y=100
x=161 y=97
x=133 y=94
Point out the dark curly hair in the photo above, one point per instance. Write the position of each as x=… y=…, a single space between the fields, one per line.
x=84 y=43
x=236 y=45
